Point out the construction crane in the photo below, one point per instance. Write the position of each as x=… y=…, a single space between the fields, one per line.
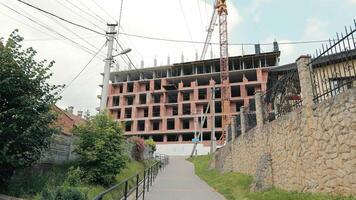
x=220 y=9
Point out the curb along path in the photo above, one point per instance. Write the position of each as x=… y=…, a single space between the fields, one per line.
x=179 y=182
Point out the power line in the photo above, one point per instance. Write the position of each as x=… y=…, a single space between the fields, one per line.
x=82 y=70
x=101 y=8
x=98 y=19
x=76 y=13
x=61 y=18
x=185 y=19
x=36 y=21
x=90 y=10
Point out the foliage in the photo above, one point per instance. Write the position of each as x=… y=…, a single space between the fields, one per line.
x=151 y=144
x=63 y=193
x=236 y=186
x=26 y=99
x=138 y=148
x=74 y=176
x=100 y=149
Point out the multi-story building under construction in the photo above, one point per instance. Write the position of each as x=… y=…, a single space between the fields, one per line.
x=166 y=102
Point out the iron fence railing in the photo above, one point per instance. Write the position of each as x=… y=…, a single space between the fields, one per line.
x=332 y=67
x=283 y=96
x=136 y=186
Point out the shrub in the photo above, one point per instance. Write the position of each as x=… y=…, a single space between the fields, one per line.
x=151 y=144
x=74 y=176
x=63 y=193
x=100 y=149
x=138 y=148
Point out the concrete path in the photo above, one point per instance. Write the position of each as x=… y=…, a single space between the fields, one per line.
x=179 y=182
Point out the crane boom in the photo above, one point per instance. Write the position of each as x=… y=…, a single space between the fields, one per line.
x=210 y=33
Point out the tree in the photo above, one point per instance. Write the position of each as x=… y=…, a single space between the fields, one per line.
x=101 y=149
x=26 y=99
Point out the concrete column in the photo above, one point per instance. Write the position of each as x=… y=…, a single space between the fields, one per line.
x=243 y=120
x=259 y=109
x=180 y=138
x=165 y=139
x=305 y=84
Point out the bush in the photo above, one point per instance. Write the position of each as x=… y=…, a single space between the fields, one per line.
x=63 y=193
x=74 y=176
x=100 y=149
x=151 y=144
x=138 y=148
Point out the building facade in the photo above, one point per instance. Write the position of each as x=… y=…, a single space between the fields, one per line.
x=166 y=102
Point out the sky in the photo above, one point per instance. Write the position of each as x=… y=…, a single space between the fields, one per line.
x=249 y=22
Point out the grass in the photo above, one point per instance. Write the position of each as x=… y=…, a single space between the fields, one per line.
x=236 y=186
x=31 y=186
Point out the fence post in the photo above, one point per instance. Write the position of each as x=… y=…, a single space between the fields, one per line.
x=126 y=189
x=306 y=86
x=137 y=181
x=148 y=179
x=259 y=109
x=243 y=120
x=144 y=184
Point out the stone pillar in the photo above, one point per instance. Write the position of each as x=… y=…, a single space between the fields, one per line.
x=306 y=86
x=233 y=129
x=259 y=109
x=243 y=120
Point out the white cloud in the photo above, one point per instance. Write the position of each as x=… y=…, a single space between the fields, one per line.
x=315 y=29
x=160 y=18
x=254 y=9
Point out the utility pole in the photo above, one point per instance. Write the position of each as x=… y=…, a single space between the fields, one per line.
x=110 y=42
x=212 y=136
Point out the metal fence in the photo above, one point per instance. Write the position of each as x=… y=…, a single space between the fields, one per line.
x=332 y=67
x=136 y=186
x=283 y=96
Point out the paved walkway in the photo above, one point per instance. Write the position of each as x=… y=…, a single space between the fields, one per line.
x=179 y=182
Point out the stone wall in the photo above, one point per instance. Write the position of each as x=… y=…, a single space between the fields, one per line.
x=311 y=150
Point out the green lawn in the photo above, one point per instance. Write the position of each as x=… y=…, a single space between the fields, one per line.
x=235 y=186
x=32 y=185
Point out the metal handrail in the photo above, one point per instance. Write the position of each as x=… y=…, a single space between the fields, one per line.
x=149 y=175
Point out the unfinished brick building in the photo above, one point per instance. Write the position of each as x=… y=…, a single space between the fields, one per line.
x=166 y=102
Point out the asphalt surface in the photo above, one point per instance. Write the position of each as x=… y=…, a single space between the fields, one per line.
x=179 y=182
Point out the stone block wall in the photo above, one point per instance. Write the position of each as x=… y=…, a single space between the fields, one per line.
x=311 y=150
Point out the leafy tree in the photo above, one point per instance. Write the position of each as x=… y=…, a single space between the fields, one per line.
x=138 y=148
x=26 y=99
x=101 y=149
x=151 y=144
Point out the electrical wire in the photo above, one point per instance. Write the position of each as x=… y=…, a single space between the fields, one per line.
x=61 y=18
x=185 y=19
x=101 y=8
x=36 y=21
x=77 y=14
x=90 y=10
x=77 y=7
x=82 y=70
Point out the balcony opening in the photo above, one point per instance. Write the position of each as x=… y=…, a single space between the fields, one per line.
x=251 y=76
x=186 y=96
x=116 y=101
x=218 y=122
x=202 y=93
x=186 y=83
x=250 y=91
x=170 y=124
x=206 y=136
x=175 y=110
x=200 y=69
x=157 y=84
x=147 y=86
x=187 y=70
x=172 y=97
x=203 y=82
x=186 y=109
x=172 y=138
x=156 y=111
x=185 y=123
x=157 y=138
x=216 y=65
x=120 y=89
x=205 y=107
x=143 y=98
x=128 y=126
x=128 y=112
x=252 y=105
x=130 y=87
x=156 y=98
x=188 y=137
x=141 y=125
x=217 y=93
x=218 y=107
x=205 y=125
x=145 y=112
x=155 y=125
x=235 y=91
x=238 y=105
x=130 y=100
x=118 y=114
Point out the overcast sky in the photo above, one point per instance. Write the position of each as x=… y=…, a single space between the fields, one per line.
x=249 y=21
